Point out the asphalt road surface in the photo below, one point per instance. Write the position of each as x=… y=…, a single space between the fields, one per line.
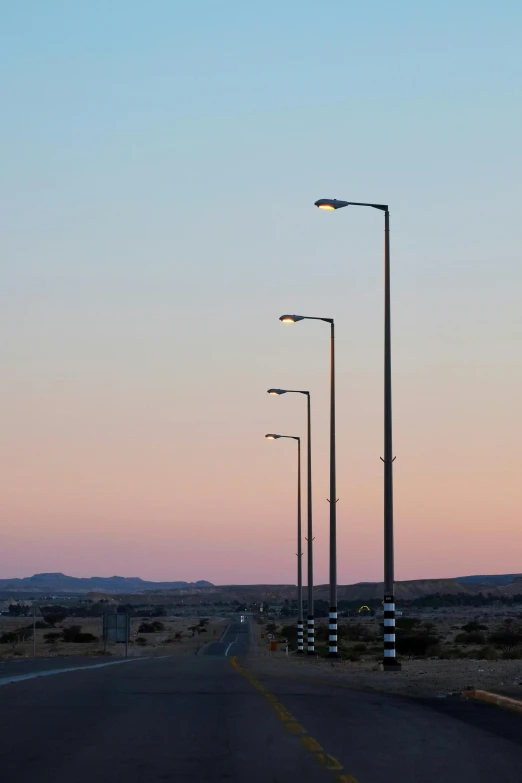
x=234 y=641
x=213 y=717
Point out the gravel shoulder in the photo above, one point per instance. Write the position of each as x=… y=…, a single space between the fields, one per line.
x=418 y=678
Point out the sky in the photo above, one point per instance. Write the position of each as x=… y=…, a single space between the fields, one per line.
x=160 y=162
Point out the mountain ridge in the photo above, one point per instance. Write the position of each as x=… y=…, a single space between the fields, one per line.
x=58 y=582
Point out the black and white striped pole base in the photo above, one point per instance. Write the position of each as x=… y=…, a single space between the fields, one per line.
x=311 y=637
x=300 y=633
x=332 y=633
x=390 y=661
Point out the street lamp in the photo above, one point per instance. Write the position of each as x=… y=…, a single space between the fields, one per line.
x=310 y=641
x=272 y=436
x=390 y=658
x=332 y=624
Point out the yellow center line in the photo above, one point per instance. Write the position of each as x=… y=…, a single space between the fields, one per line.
x=294 y=727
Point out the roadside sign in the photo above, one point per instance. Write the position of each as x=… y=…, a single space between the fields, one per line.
x=134 y=634
x=270 y=636
x=116 y=627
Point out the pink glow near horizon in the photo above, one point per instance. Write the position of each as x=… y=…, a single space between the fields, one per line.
x=178 y=499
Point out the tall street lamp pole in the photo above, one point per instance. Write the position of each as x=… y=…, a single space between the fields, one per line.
x=390 y=658
x=310 y=642
x=332 y=624
x=273 y=436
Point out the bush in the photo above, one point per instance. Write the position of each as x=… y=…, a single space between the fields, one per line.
x=473 y=637
x=449 y=654
x=513 y=654
x=487 y=653
x=141 y=641
x=52 y=637
x=54 y=617
x=197 y=629
x=416 y=645
x=19 y=635
x=407 y=623
x=360 y=648
x=321 y=633
x=352 y=656
x=41 y=625
x=73 y=634
x=474 y=626
x=355 y=633
x=155 y=627
x=506 y=639
x=290 y=632
x=20 y=610
x=9 y=637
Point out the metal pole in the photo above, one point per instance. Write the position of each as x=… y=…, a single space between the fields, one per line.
x=299 y=557
x=332 y=623
x=311 y=630
x=34 y=630
x=390 y=659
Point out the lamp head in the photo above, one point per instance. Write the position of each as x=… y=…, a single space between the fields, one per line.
x=271 y=436
x=277 y=391
x=291 y=319
x=330 y=203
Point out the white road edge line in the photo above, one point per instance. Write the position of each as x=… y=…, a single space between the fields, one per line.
x=49 y=672
x=230 y=645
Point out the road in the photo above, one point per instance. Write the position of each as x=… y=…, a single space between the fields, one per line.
x=213 y=717
x=234 y=641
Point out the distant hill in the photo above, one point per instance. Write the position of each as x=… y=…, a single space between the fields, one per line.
x=364 y=591
x=498 y=580
x=55 y=584
x=60 y=583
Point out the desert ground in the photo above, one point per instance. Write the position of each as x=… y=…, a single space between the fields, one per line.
x=177 y=637
x=454 y=659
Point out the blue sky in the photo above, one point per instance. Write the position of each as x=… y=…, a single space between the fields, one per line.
x=160 y=164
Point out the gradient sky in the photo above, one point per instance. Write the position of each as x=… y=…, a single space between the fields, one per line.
x=160 y=161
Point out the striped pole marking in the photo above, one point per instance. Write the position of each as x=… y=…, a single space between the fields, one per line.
x=300 y=635
x=311 y=636
x=332 y=632
x=390 y=657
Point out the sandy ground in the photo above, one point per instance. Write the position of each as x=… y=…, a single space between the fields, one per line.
x=417 y=678
x=420 y=677
x=163 y=643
